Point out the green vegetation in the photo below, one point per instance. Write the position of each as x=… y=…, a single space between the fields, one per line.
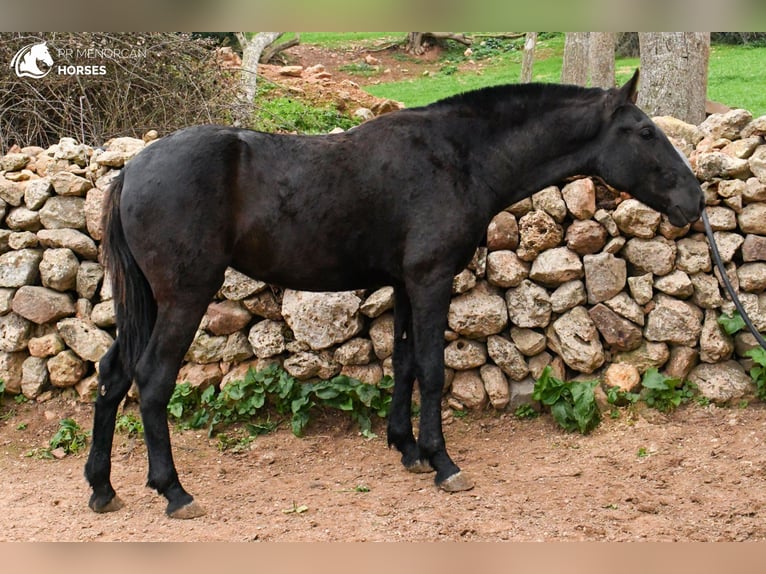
x=70 y=438
x=130 y=425
x=572 y=404
x=731 y=324
x=288 y=114
x=665 y=393
x=758 y=371
x=274 y=390
x=525 y=411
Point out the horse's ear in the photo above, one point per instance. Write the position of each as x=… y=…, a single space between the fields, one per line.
x=629 y=91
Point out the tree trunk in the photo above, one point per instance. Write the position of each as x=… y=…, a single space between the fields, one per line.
x=575 y=67
x=601 y=56
x=251 y=55
x=674 y=69
x=528 y=60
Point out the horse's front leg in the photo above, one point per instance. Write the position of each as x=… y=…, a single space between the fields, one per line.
x=430 y=304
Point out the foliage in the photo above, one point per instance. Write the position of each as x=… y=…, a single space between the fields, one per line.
x=2 y=388
x=70 y=437
x=525 y=411
x=665 y=393
x=758 y=370
x=129 y=424
x=273 y=389
x=619 y=397
x=573 y=404
x=286 y=114
x=731 y=324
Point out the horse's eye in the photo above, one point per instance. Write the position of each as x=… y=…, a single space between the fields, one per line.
x=647 y=133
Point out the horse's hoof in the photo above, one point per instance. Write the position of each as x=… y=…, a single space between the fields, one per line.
x=420 y=467
x=458 y=482
x=114 y=504
x=191 y=510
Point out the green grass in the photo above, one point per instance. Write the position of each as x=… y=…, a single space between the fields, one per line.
x=736 y=77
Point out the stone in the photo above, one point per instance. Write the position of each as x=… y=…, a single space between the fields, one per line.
x=306 y=365
x=13 y=162
x=11 y=192
x=119 y=151
x=649 y=355
x=752 y=277
x=478 y=313
x=322 y=320
x=555 y=266
x=673 y=321
x=264 y=304
x=6 y=300
x=63 y=213
x=580 y=198
x=23 y=219
x=728 y=243
x=568 y=295
x=34 y=376
x=550 y=201
x=238 y=286
x=618 y=333
x=381 y=334
x=83 y=309
x=623 y=376
x=70 y=150
x=19 y=268
x=58 y=269
x=103 y=314
x=5 y=235
x=68 y=184
x=505 y=269
x=528 y=341
x=528 y=305
x=715 y=344
x=607 y=222
x=11 y=370
x=370 y=374
x=753 y=219
x=206 y=348
x=744 y=341
x=522 y=393
x=225 y=317
x=693 y=256
x=520 y=208
x=707 y=293
x=468 y=388
x=506 y=356
x=721 y=382
x=72 y=239
x=496 y=386
x=757 y=163
x=755 y=190
x=624 y=306
x=463 y=282
x=676 y=283
x=84 y=338
x=757 y=127
x=753 y=248
x=717 y=164
x=727 y=125
x=636 y=219
x=478 y=263
x=267 y=338
x=236 y=349
x=42 y=305
x=538 y=231
x=46 y=345
x=89 y=277
x=682 y=360
x=23 y=240
x=684 y=133
x=728 y=188
x=93 y=207
x=586 y=237
x=357 y=351
x=605 y=276
x=657 y=255
x=378 y=302
x=66 y=369
x=503 y=232
x=642 y=288
x=574 y=337
x=200 y=376
x=465 y=354
x=15 y=332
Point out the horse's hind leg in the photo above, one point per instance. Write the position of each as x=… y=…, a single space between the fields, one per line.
x=156 y=373
x=400 y=418
x=114 y=384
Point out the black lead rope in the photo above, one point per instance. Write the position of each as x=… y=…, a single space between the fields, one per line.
x=727 y=283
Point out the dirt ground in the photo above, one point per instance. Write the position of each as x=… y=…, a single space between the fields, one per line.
x=696 y=475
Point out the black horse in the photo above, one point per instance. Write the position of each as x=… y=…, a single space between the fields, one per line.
x=402 y=200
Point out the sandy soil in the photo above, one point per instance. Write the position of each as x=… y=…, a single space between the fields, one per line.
x=694 y=475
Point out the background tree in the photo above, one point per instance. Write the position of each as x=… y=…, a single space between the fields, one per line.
x=528 y=60
x=601 y=46
x=574 y=69
x=674 y=67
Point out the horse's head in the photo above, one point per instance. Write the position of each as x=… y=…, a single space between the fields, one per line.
x=40 y=52
x=635 y=156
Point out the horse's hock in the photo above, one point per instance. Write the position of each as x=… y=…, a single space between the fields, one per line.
x=578 y=277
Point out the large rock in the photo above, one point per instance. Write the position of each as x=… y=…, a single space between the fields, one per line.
x=649 y=355
x=727 y=125
x=605 y=276
x=676 y=283
x=89 y=276
x=478 y=313
x=306 y=365
x=225 y=317
x=715 y=344
x=94 y=222
x=382 y=335
x=67 y=183
x=468 y=388
x=42 y=305
x=568 y=295
x=718 y=164
x=505 y=268
x=721 y=382
x=550 y=201
x=206 y=348
x=63 y=213
x=556 y=266
x=657 y=255
x=357 y=351
x=753 y=219
x=238 y=286
x=503 y=232
x=584 y=237
x=757 y=163
x=622 y=375
x=84 y=338
x=66 y=369
x=322 y=320
x=707 y=292
x=754 y=248
x=58 y=269
x=264 y=304
x=529 y=305
x=378 y=302
x=528 y=341
x=15 y=332
x=11 y=370
x=752 y=277
x=18 y=268
x=673 y=321
x=465 y=354
x=620 y=334
x=72 y=239
x=506 y=356
x=636 y=219
x=34 y=376
x=538 y=231
x=496 y=386
x=626 y=307
x=267 y=338
x=693 y=256
x=574 y=337
x=580 y=198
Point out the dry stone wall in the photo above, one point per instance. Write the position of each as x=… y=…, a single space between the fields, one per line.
x=580 y=277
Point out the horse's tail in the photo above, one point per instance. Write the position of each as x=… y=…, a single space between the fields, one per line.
x=134 y=303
